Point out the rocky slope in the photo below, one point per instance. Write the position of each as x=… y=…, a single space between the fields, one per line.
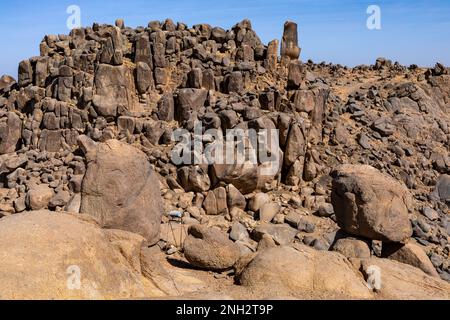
x=360 y=181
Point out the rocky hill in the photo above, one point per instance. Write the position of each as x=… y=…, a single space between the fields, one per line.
x=352 y=203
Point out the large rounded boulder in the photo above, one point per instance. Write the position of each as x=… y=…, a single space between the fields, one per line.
x=120 y=188
x=209 y=248
x=371 y=204
x=48 y=255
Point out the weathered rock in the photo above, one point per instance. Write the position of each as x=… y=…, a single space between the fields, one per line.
x=370 y=204
x=195 y=78
x=295 y=145
x=189 y=102
x=352 y=248
x=143 y=51
x=442 y=189
x=272 y=54
x=216 y=202
x=112 y=48
x=25 y=73
x=10 y=132
x=111 y=270
x=20 y=204
x=411 y=254
x=121 y=190
x=403 y=282
x=166 y=107
x=74 y=204
x=243 y=176
x=325 y=210
x=193 y=178
x=41 y=72
x=257 y=201
x=60 y=199
x=109 y=82
x=229 y=119
x=39 y=197
x=65 y=83
x=314 y=103
x=114 y=90
x=239 y=232
x=283 y=234
x=295 y=75
x=430 y=213
x=235 y=198
x=267 y=101
x=144 y=77
x=209 y=248
x=323 y=275
x=6 y=81
x=289 y=42
x=268 y=211
x=234 y=82
x=383 y=126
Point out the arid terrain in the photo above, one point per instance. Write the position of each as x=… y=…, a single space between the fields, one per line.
x=350 y=201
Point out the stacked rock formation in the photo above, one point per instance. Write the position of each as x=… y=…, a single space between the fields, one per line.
x=361 y=162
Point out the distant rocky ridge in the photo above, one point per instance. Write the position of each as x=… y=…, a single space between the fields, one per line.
x=363 y=169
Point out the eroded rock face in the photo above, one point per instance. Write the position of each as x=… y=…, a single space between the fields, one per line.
x=370 y=204
x=114 y=90
x=121 y=190
x=61 y=248
x=10 y=132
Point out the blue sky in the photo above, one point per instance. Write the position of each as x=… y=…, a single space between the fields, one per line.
x=414 y=31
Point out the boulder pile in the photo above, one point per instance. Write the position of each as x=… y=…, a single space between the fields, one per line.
x=129 y=128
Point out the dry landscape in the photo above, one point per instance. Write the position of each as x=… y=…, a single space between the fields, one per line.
x=93 y=205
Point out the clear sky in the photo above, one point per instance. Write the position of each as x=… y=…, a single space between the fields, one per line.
x=412 y=31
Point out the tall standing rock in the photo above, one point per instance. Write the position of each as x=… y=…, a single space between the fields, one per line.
x=289 y=42
x=370 y=204
x=120 y=188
